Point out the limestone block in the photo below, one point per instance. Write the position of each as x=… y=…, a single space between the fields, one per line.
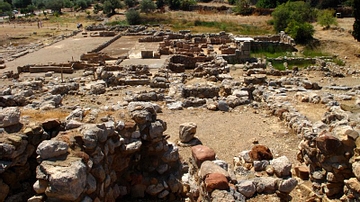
x=67 y=181
x=51 y=148
x=9 y=116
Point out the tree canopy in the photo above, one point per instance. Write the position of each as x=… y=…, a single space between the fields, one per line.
x=294 y=18
x=356 y=26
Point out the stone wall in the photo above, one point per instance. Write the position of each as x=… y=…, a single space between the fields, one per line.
x=77 y=160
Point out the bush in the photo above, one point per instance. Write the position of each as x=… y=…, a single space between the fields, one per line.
x=243 y=7
x=133 y=17
x=326 y=18
x=300 y=32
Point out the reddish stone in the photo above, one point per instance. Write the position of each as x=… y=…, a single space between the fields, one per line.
x=216 y=181
x=260 y=152
x=302 y=172
x=201 y=153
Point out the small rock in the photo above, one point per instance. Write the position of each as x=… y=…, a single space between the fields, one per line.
x=246 y=187
x=201 y=153
x=216 y=181
x=187 y=131
x=282 y=166
x=287 y=185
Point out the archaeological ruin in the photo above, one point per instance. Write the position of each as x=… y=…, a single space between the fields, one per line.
x=104 y=140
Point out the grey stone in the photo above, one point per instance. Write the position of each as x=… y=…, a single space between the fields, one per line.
x=282 y=166
x=187 y=131
x=265 y=184
x=133 y=147
x=223 y=106
x=51 y=148
x=156 y=130
x=175 y=105
x=246 y=188
x=9 y=116
x=260 y=165
x=287 y=185
x=66 y=181
x=71 y=124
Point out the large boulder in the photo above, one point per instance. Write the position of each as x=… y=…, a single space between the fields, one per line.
x=9 y=116
x=66 y=180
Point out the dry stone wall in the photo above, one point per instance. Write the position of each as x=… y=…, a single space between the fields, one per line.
x=81 y=161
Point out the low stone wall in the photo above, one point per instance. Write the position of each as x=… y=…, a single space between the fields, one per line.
x=81 y=161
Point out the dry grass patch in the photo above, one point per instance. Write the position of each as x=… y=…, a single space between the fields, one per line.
x=40 y=116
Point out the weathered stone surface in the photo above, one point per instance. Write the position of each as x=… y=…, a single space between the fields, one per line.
x=327 y=143
x=287 y=185
x=282 y=166
x=187 y=131
x=40 y=186
x=260 y=165
x=260 y=152
x=302 y=172
x=9 y=116
x=223 y=106
x=155 y=189
x=201 y=153
x=66 y=181
x=208 y=167
x=221 y=195
x=51 y=148
x=133 y=147
x=246 y=188
x=265 y=185
x=356 y=169
x=216 y=181
x=353 y=184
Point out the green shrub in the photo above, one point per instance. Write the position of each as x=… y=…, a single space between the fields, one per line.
x=300 y=32
x=326 y=18
x=133 y=17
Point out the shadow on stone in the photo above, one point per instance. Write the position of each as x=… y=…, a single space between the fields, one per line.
x=192 y=142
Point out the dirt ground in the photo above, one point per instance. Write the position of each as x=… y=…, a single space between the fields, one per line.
x=227 y=133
